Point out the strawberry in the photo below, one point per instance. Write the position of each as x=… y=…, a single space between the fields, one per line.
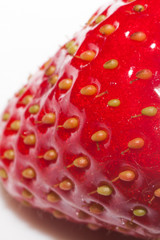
x=81 y=139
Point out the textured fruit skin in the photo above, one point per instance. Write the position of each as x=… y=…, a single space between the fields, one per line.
x=123 y=123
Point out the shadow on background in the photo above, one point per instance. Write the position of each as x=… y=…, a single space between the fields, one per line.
x=57 y=229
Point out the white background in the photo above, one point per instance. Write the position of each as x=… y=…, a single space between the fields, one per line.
x=30 y=32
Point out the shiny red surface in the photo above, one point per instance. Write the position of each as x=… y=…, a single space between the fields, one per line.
x=94 y=114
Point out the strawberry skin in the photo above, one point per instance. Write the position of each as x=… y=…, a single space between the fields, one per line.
x=81 y=140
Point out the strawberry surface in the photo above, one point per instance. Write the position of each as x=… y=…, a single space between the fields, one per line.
x=81 y=139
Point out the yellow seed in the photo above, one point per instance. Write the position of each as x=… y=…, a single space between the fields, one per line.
x=26 y=194
x=81 y=162
x=91 y=20
x=21 y=91
x=138 y=36
x=53 y=197
x=29 y=173
x=107 y=29
x=30 y=140
x=34 y=109
x=89 y=90
x=6 y=116
x=51 y=155
x=59 y=215
x=139 y=212
x=100 y=18
x=50 y=70
x=96 y=208
x=149 y=111
x=3 y=174
x=71 y=47
x=93 y=227
x=99 y=136
x=71 y=123
x=27 y=99
x=9 y=154
x=138 y=8
x=66 y=185
x=65 y=84
x=25 y=203
x=46 y=65
x=114 y=103
x=53 y=80
x=69 y=44
x=111 y=64
x=144 y=74
x=127 y=176
x=88 y=55
x=49 y=118
x=15 y=126
x=157 y=193
x=104 y=190
x=136 y=143
x=82 y=215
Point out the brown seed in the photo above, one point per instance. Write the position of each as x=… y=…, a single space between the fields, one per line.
x=34 y=109
x=3 y=174
x=93 y=227
x=50 y=70
x=144 y=74
x=96 y=208
x=6 y=116
x=107 y=29
x=99 y=136
x=26 y=194
x=30 y=140
x=136 y=143
x=89 y=90
x=138 y=8
x=15 y=126
x=138 y=36
x=9 y=154
x=100 y=18
x=59 y=215
x=71 y=123
x=29 y=173
x=88 y=55
x=53 y=197
x=104 y=190
x=127 y=176
x=139 y=212
x=66 y=185
x=81 y=162
x=65 y=84
x=111 y=64
x=114 y=103
x=149 y=111
x=157 y=193
x=53 y=80
x=50 y=155
x=82 y=215
x=49 y=118
x=27 y=99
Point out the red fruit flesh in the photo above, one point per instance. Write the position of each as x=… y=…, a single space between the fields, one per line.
x=111 y=126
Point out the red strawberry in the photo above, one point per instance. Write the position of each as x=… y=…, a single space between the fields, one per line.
x=82 y=139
